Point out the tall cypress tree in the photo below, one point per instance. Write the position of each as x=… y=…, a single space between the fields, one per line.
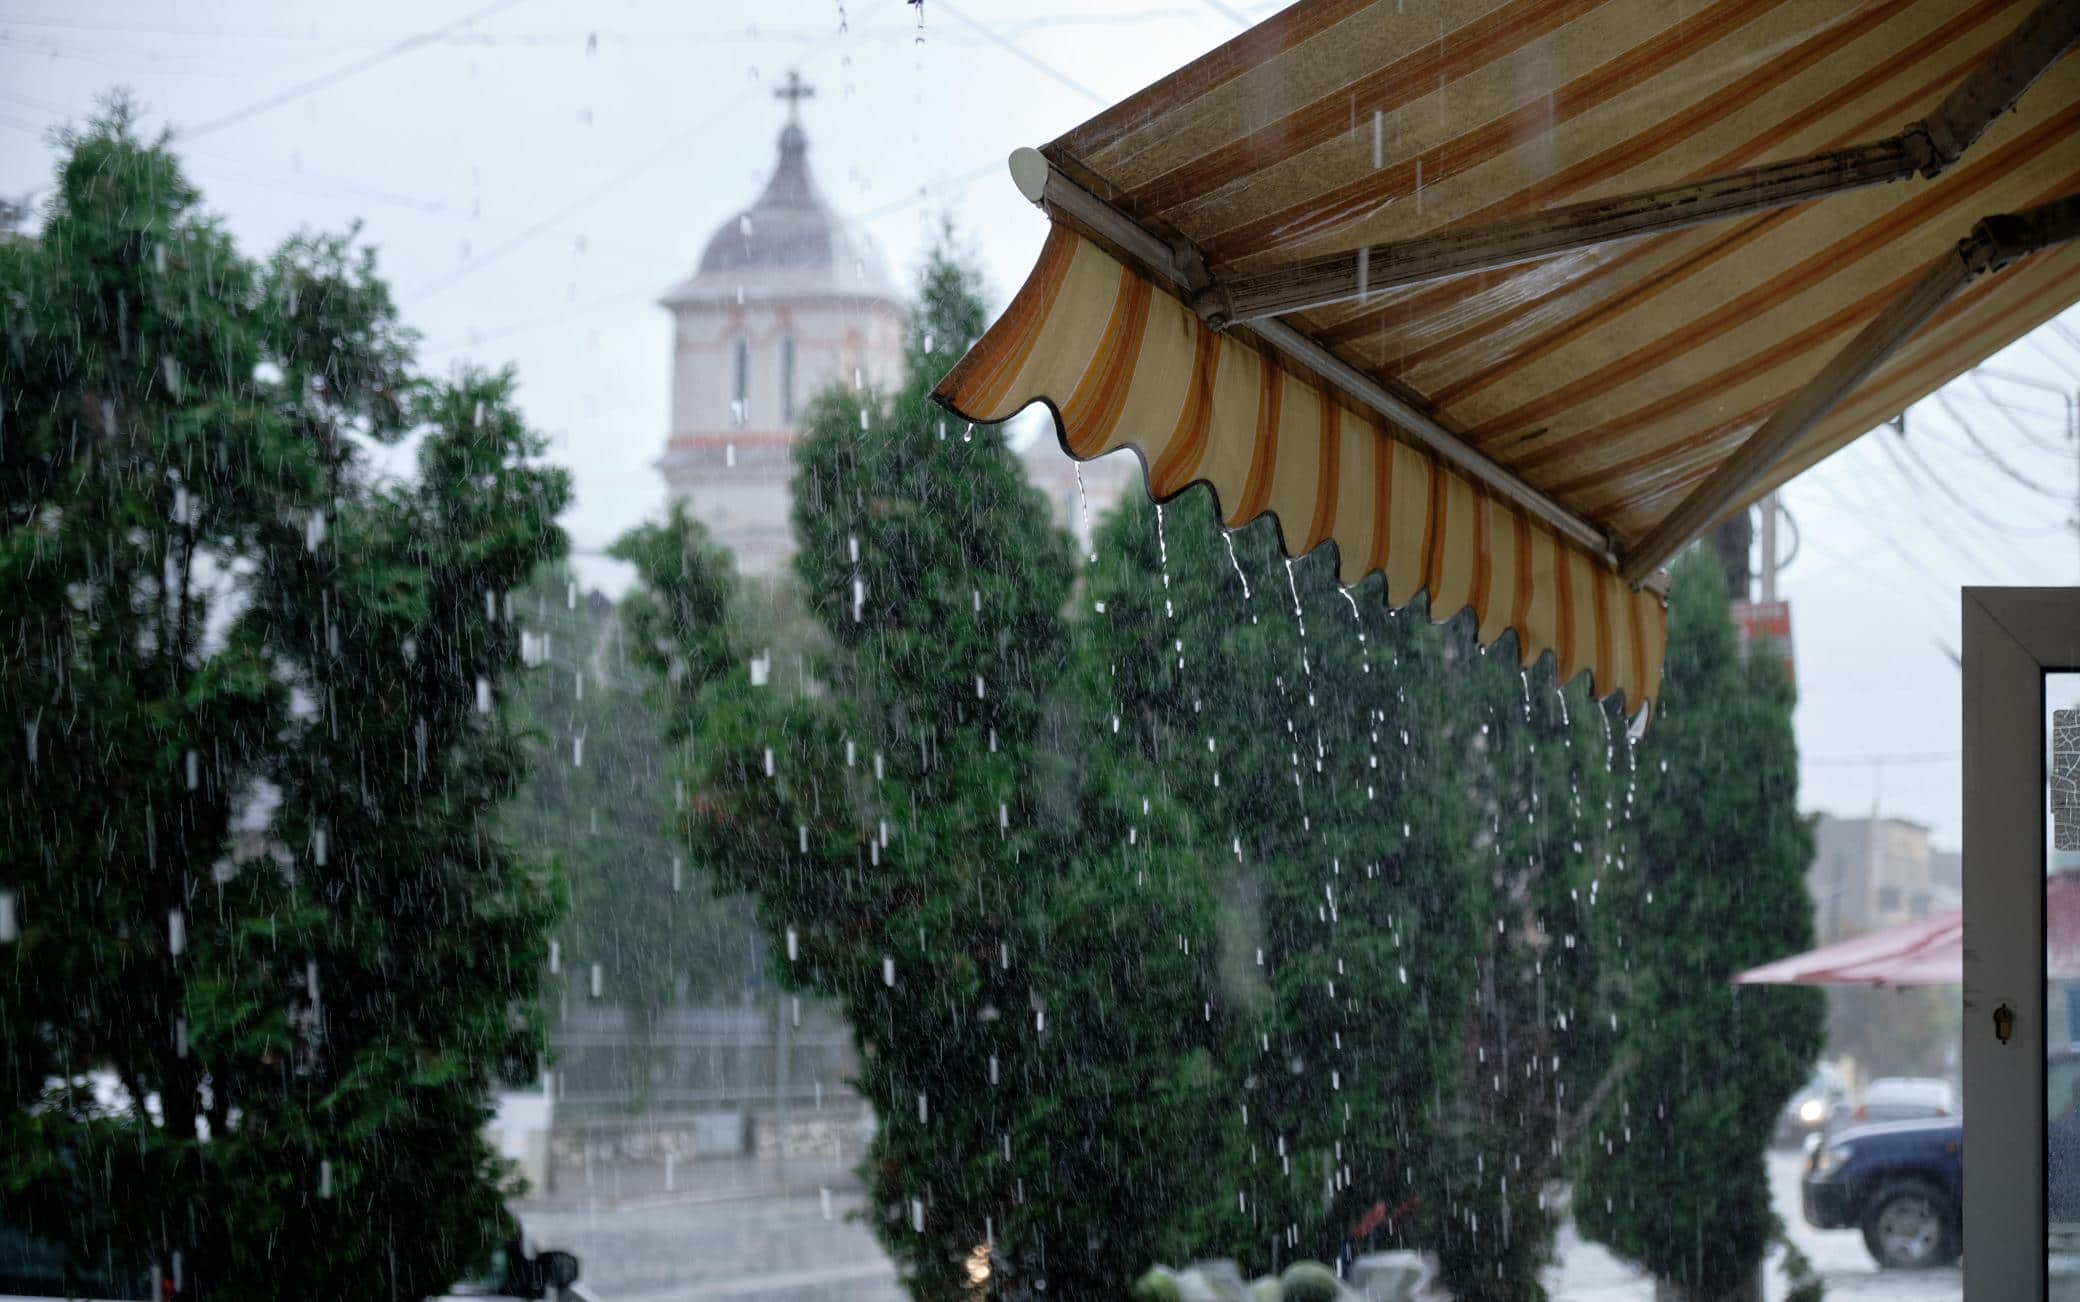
x=256 y=748
x=1538 y=1039
x=1672 y=1175
x=1305 y=730
x=1002 y=926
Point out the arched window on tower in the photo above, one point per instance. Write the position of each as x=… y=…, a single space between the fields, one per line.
x=787 y=380
x=740 y=403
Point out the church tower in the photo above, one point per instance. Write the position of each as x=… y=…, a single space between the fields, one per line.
x=788 y=299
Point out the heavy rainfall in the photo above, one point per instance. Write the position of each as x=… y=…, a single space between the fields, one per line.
x=812 y=845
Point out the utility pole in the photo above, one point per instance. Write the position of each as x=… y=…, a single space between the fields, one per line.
x=1770 y=510
x=1732 y=539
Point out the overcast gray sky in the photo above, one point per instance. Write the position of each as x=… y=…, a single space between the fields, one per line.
x=535 y=172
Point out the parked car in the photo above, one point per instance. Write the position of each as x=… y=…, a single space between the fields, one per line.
x=1906 y=1098
x=2062 y=1138
x=1817 y=1107
x=1900 y=1182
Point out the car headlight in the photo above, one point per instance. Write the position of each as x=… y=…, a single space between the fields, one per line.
x=1811 y=1111
x=1833 y=1157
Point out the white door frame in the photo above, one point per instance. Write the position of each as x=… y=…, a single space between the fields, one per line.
x=2012 y=638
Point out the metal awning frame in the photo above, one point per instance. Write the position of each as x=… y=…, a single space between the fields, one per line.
x=1925 y=147
x=1252 y=302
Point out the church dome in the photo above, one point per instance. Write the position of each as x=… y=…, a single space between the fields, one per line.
x=789 y=242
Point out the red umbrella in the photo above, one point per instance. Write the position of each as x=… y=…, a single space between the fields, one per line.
x=1926 y=952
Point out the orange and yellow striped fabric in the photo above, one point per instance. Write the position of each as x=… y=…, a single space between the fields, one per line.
x=1126 y=364
x=1613 y=379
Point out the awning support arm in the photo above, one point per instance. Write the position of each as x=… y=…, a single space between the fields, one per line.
x=1926 y=147
x=1042 y=183
x=1993 y=244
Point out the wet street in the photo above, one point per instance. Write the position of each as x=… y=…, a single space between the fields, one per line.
x=768 y=1247
x=1587 y=1273
x=735 y=1238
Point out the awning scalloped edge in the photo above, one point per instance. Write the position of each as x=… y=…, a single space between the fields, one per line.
x=1124 y=364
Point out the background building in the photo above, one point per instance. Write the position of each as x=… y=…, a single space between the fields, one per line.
x=1870 y=873
x=788 y=299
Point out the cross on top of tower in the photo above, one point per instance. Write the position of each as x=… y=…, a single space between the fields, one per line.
x=794 y=91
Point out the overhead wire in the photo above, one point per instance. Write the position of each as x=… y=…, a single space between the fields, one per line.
x=344 y=71
x=323 y=80
x=1865 y=515
x=1912 y=757
x=615 y=182
x=1994 y=458
x=1025 y=56
x=2008 y=411
x=1906 y=448
x=1955 y=537
x=611 y=184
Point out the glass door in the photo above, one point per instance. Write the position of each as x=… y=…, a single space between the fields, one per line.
x=2022 y=942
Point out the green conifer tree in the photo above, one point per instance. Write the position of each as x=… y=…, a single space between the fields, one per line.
x=1538 y=1040
x=1672 y=1173
x=1306 y=731
x=1007 y=931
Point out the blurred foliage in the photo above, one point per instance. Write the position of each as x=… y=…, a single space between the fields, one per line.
x=1911 y=1031
x=271 y=956
x=598 y=796
x=1673 y=1176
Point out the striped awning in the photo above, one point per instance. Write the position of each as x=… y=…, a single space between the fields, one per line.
x=1612 y=379
x=1126 y=365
